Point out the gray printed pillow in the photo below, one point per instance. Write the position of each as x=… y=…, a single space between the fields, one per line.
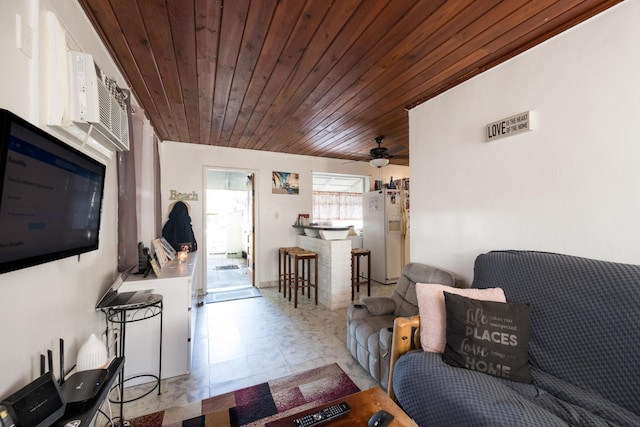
x=489 y=337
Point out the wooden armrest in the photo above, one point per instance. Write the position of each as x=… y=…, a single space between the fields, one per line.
x=403 y=329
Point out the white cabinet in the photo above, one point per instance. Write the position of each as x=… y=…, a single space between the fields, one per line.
x=178 y=286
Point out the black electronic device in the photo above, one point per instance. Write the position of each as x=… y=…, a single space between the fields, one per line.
x=62 y=373
x=50 y=196
x=149 y=266
x=5 y=418
x=323 y=416
x=143 y=258
x=381 y=418
x=38 y=404
x=83 y=386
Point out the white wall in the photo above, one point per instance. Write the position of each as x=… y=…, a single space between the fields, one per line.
x=572 y=185
x=41 y=304
x=182 y=169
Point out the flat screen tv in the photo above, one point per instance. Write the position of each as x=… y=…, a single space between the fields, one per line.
x=50 y=196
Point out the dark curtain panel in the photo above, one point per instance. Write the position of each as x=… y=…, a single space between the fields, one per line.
x=127 y=212
x=156 y=171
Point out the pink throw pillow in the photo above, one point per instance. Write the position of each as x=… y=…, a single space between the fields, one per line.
x=433 y=316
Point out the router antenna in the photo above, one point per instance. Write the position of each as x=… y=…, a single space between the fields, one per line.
x=61 y=361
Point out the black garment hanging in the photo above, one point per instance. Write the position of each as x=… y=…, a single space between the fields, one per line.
x=178 y=230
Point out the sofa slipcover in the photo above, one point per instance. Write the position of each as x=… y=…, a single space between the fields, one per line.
x=583 y=350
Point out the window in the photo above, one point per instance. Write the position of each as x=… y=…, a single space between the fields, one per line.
x=337 y=199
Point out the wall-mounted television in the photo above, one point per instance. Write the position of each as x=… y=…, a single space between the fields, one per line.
x=50 y=196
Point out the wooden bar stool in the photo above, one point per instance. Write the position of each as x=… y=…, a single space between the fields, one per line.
x=283 y=274
x=300 y=274
x=356 y=254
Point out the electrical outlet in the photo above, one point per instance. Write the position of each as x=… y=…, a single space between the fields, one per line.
x=24 y=37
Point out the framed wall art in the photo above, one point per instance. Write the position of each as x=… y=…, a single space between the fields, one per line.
x=285 y=183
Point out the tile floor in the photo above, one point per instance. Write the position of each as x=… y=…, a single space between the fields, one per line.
x=219 y=278
x=245 y=342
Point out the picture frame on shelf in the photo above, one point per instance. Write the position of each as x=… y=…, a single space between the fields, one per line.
x=154 y=265
x=161 y=255
x=168 y=249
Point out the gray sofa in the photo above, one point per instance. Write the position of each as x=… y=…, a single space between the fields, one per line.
x=584 y=350
x=370 y=323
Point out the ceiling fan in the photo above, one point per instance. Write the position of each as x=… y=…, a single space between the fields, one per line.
x=380 y=155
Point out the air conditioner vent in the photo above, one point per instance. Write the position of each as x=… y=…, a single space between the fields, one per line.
x=113 y=116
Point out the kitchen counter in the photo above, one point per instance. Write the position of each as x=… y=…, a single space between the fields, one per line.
x=325 y=232
x=321 y=227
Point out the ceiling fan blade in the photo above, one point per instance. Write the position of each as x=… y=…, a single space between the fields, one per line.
x=396 y=149
x=357 y=157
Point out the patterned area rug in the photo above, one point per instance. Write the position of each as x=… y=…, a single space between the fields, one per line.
x=259 y=404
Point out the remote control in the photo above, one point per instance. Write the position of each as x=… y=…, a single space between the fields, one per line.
x=323 y=416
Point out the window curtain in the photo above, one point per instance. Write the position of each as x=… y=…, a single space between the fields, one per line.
x=127 y=212
x=156 y=175
x=329 y=206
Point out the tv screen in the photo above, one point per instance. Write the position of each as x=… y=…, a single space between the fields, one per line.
x=50 y=196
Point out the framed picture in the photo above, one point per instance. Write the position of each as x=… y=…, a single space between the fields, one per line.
x=168 y=249
x=155 y=266
x=161 y=255
x=285 y=183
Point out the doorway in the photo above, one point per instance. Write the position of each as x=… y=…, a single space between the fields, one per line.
x=229 y=220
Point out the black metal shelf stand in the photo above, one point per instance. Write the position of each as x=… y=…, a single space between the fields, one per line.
x=120 y=317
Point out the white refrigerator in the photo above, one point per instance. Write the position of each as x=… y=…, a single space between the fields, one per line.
x=383 y=233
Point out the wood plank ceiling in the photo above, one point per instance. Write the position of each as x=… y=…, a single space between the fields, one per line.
x=312 y=77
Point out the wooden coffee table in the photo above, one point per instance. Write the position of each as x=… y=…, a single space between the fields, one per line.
x=363 y=405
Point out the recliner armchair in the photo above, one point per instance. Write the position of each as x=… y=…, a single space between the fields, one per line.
x=370 y=323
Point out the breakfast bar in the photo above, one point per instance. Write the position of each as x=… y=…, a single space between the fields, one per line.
x=333 y=246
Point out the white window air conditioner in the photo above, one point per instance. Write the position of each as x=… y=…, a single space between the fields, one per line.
x=80 y=100
x=94 y=109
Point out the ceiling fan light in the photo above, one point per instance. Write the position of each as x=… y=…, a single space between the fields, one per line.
x=378 y=163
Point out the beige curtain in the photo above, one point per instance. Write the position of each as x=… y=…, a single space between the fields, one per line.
x=329 y=206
